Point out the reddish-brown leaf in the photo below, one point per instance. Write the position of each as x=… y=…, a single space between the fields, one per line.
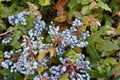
x=118 y=13
x=60 y=8
x=115 y=74
x=61 y=18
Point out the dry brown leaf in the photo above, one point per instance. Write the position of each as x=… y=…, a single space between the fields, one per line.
x=34 y=8
x=60 y=8
x=92 y=19
x=61 y=18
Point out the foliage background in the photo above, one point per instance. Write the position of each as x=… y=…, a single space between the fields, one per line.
x=100 y=17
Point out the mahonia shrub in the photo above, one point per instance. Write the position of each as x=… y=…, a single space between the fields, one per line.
x=30 y=53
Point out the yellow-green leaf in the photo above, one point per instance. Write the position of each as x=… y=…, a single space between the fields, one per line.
x=85 y=10
x=64 y=77
x=44 y=2
x=118 y=29
x=42 y=54
x=52 y=51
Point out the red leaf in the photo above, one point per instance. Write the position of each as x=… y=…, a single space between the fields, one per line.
x=115 y=74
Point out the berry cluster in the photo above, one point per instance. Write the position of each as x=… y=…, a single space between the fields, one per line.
x=76 y=70
x=19 y=18
x=24 y=60
x=68 y=38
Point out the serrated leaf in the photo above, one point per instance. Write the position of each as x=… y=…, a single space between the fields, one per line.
x=64 y=76
x=42 y=54
x=104 y=6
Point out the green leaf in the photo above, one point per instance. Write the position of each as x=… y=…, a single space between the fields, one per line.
x=107 y=45
x=16 y=36
x=84 y=2
x=72 y=55
x=64 y=76
x=2 y=25
x=95 y=74
x=22 y=29
x=104 y=6
x=109 y=61
x=48 y=39
x=5 y=72
x=29 y=20
x=70 y=14
x=72 y=4
x=92 y=52
x=93 y=27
